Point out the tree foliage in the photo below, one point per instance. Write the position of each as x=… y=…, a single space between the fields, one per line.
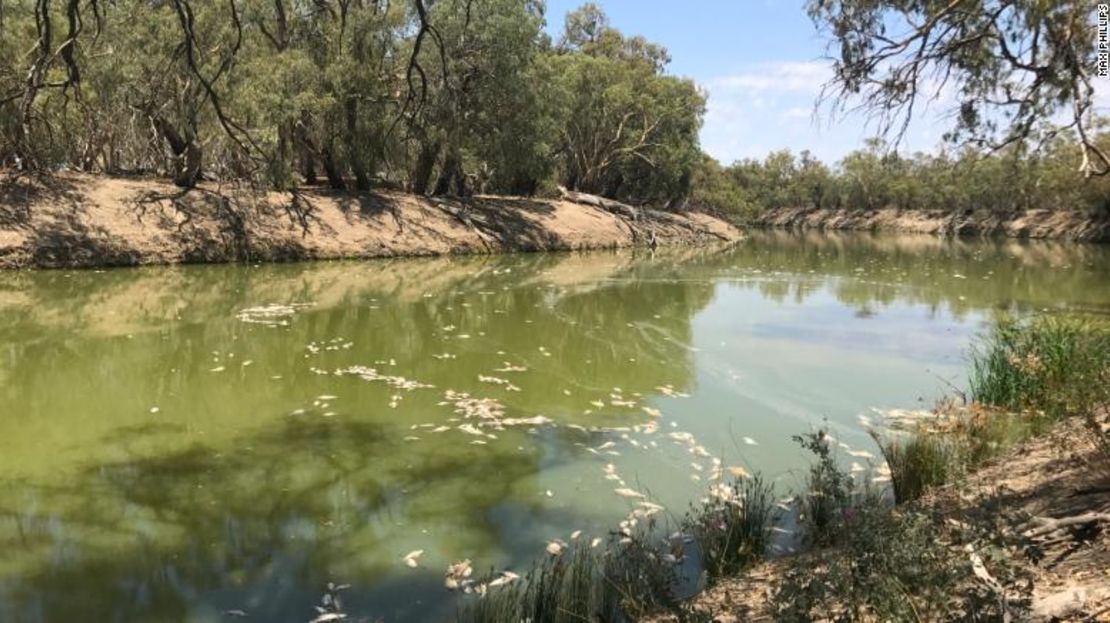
x=444 y=96
x=876 y=177
x=1011 y=66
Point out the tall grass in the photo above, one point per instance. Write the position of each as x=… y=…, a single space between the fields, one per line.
x=568 y=588
x=919 y=461
x=733 y=532
x=632 y=577
x=1024 y=376
x=1044 y=365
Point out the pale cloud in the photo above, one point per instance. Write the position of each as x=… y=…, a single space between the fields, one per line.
x=763 y=107
x=792 y=76
x=798 y=112
x=771 y=106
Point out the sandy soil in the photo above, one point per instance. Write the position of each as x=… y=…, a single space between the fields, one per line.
x=75 y=220
x=1057 y=224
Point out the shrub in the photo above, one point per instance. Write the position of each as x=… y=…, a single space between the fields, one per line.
x=889 y=566
x=828 y=491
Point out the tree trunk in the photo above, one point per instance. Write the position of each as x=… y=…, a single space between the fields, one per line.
x=186 y=154
x=331 y=170
x=452 y=170
x=305 y=148
x=422 y=172
x=355 y=153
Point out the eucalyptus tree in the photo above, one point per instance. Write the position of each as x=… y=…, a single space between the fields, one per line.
x=1011 y=66
x=626 y=129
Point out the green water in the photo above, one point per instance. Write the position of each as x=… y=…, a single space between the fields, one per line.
x=166 y=456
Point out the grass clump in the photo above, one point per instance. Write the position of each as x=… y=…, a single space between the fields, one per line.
x=732 y=528
x=634 y=576
x=1044 y=365
x=1024 y=376
x=624 y=579
x=919 y=461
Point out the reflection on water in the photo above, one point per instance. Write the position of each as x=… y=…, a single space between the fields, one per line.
x=162 y=459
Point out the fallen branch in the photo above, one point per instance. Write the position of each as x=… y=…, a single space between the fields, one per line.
x=608 y=205
x=1049 y=525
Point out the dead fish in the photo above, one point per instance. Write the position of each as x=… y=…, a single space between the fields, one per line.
x=595 y=542
x=411 y=558
x=556 y=547
x=574 y=535
x=629 y=493
x=505 y=578
x=737 y=471
x=750 y=441
x=457 y=573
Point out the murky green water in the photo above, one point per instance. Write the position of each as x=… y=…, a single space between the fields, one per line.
x=166 y=456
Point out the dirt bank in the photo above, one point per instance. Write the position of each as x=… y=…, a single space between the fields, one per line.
x=1058 y=224
x=74 y=220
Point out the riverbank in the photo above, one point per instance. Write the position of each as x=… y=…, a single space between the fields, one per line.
x=994 y=506
x=1054 y=575
x=75 y=220
x=1002 y=509
x=1073 y=225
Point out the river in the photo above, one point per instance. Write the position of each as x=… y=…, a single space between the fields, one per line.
x=178 y=442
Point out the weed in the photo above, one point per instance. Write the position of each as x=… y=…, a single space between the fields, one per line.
x=732 y=530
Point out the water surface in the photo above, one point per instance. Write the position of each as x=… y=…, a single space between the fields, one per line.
x=175 y=442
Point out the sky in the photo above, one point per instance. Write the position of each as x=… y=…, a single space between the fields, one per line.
x=762 y=63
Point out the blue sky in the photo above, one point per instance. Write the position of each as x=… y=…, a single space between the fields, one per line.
x=761 y=62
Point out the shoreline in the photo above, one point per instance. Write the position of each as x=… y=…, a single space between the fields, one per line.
x=72 y=220
x=1069 y=225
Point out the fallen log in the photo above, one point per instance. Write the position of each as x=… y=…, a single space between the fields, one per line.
x=1048 y=525
x=608 y=205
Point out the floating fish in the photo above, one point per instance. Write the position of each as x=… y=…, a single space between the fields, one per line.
x=457 y=573
x=504 y=578
x=556 y=547
x=412 y=557
x=738 y=472
x=629 y=493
